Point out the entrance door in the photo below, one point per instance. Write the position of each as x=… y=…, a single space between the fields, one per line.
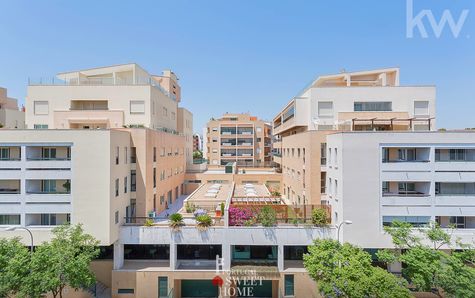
x=199 y=288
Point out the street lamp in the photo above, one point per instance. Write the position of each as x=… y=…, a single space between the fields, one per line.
x=346 y=222
x=22 y=228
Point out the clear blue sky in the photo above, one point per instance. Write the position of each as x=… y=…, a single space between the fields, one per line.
x=241 y=56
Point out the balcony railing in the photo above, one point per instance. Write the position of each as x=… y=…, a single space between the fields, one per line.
x=46 y=192
x=405 y=194
x=8 y=191
x=404 y=161
x=48 y=158
x=10 y=159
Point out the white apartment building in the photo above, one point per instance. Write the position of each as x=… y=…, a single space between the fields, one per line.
x=10 y=115
x=105 y=97
x=350 y=101
x=50 y=177
x=375 y=178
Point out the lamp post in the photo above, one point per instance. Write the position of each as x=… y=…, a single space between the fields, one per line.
x=346 y=222
x=22 y=228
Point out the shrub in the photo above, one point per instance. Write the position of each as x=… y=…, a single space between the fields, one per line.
x=199 y=212
x=222 y=208
x=176 y=221
x=267 y=216
x=203 y=221
x=238 y=216
x=190 y=207
x=148 y=222
x=319 y=217
x=275 y=193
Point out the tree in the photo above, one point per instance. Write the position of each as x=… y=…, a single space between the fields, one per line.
x=427 y=267
x=14 y=266
x=197 y=154
x=346 y=271
x=62 y=262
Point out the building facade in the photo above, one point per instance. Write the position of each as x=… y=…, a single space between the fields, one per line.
x=239 y=138
x=357 y=101
x=10 y=115
x=415 y=177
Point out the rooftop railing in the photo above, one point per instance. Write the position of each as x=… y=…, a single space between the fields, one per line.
x=99 y=81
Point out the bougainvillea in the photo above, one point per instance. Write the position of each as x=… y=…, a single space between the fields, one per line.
x=239 y=216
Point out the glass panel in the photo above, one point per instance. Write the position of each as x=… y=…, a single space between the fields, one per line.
x=289 y=285
x=162 y=286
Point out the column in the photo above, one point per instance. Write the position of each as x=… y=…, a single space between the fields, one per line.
x=280 y=258
x=226 y=249
x=173 y=256
x=118 y=255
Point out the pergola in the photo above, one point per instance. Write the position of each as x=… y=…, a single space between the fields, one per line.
x=390 y=121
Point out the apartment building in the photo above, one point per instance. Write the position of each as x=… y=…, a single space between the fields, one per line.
x=49 y=177
x=239 y=138
x=105 y=97
x=185 y=127
x=197 y=142
x=10 y=115
x=416 y=177
x=350 y=101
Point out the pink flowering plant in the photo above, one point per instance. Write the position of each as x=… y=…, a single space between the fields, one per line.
x=240 y=216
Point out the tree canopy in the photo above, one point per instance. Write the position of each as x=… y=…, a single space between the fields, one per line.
x=344 y=270
x=433 y=260
x=64 y=261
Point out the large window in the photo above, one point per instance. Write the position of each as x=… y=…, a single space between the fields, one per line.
x=416 y=221
x=9 y=219
x=289 y=113
x=375 y=106
x=421 y=108
x=146 y=252
x=325 y=109
x=196 y=252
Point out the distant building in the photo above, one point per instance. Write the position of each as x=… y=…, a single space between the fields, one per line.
x=239 y=138
x=197 y=143
x=10 y=115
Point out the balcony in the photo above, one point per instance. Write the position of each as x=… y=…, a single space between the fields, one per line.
x=11 y=153
x=77 y=119
x=406 y=155
x=406 y=189
x=48 y=186
x=47 y=219
x=458 y=222
x=8 y=187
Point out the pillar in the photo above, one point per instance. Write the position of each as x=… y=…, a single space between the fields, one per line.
x=118 y=255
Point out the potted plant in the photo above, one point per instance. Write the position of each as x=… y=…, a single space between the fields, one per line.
x=267 y=217
x=203 y=222
x=148 y=222
x=190 y=207
x=176 y=221
x=319 y=217
x=218 y=211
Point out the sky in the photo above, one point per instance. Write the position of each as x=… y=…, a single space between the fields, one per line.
x=243 y=56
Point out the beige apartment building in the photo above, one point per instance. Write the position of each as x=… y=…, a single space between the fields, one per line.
x=350 y=101
x=10 y=115
x=239 y=138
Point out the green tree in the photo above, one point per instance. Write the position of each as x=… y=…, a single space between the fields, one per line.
x=427 y=266
x=346 y=271
x=62 y=262
x=197 y=154
x=14 y=266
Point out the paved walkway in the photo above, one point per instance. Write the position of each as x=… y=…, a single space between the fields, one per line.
x=173 y=208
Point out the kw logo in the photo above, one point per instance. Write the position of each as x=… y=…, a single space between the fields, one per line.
x=418 y=21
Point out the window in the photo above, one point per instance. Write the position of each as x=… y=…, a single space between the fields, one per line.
x=48 y=219
x=457 y=221
x=407 y=154
x=215 y=129
x=325 y=109
x=336 y=156
x=40 y=126
x=125 y=291
x=116 y=217
x=9 y=219
x=4 y=153
x=116 y=187
x=376 y=106
x=289 y=285
x=416 y=221
x=154 y=202
x=323 y=153
x=137 y=107
x=133 y=180
x=173 y=115
x=48 y=153
x=457 y=154
x=162 y=199
x=336 y=188
x=406 y=187
x=162 y=287
x=154 y=177
x=117 y=155
x=125 y=184
x=48 y=186
x=165 y=112
x=258 y=129
x=154 y=154
x=133 y=155
x=421 y=108
x=385 y=187
x=41 y=107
